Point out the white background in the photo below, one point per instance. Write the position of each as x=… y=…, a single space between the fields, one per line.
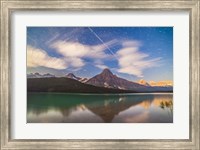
x=179 y=129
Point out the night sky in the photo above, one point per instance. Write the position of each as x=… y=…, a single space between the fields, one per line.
x=133 y=53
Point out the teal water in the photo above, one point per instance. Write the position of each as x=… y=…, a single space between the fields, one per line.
x=102 y=108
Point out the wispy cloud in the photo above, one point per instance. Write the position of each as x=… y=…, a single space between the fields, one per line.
x=101 y=66
x=74 y=53
x=99 y=63
x=132 y=61
x=37 y=57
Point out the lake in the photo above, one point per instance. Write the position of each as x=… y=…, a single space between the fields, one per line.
x=99 y=108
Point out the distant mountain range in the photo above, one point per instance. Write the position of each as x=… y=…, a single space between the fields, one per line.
x=106 y=81
x=161 y=83
x=37 y=75
x=153 y=83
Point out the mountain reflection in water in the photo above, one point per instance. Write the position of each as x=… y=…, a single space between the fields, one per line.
x=102 y=108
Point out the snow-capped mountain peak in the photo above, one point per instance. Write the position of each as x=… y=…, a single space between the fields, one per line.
x=72 y=76
x=107 y=79
x=38 y=75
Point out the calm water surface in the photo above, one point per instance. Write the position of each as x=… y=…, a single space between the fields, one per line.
x=94 y=108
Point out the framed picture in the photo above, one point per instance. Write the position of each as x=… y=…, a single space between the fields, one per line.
x=100 y=74
x=88 y=56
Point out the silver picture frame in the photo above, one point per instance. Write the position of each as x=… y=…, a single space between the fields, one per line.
x=10 y=6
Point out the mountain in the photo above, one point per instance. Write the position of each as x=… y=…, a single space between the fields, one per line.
x=156 y=84
x=37 y=75
x=161 y=83
x=66 y=85
x=48 y=75
x=143 y=82
x=72 y=76
x=105 y=82
x=107 y=79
